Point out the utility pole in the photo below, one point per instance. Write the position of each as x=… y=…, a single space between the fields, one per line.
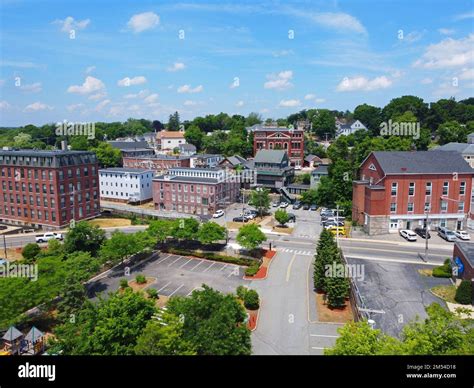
x=427 y=230
x=337 y=226
x=5 y=246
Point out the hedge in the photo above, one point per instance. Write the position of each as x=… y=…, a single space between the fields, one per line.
x=252 y=270
x=464 y=293
x=212 y=256
x=440 y=272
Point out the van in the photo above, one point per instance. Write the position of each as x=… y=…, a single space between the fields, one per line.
x=447 y=234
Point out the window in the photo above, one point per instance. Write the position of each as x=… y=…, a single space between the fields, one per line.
x=428 y=188
x=427 y=206
x=394 y=188
x=393 y=207
x=462 y=188
x=411 y=188
x=410 y=206
x=445 y=188
x=460 y=207
x=444 y=206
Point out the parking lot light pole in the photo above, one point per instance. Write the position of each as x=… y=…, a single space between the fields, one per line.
x=426 y=233
x=337 y=226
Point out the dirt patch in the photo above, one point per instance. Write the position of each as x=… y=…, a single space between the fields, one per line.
x=110 y=222
x=327 y=314
x=425 y=272
x=446 y=293
x=162 y=301
x=138 y=287
x=283 y=230
x=253 y=319
x=13 y=254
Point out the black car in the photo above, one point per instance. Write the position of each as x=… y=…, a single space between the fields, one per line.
x=291 y=217
x=422 y=232
x=305 y=206
x=297 y=205
x=240 y=219
x=313 y=207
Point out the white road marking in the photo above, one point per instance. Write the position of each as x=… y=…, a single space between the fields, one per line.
x=318 y=348
x=197 y=265
x=324 y=335
x=170 y=264
x=223 y=267
x=181 y=286
x=288 y=271
x=181 y=266
x=166 y=285
x=209 y=267
x=163 y=259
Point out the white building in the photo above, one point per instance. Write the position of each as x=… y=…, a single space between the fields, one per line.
x=349 y=128
x=205 y=160
x=169 y=140
x=132 y=185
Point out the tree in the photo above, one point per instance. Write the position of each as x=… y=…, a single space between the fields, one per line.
x=120 y=246
x=164 y=338
x=84 y=237
x=185 y=229
x=250 y=236
x=261 y=200
x=174 y=122
x=210 y=232
x=251 y=300
x=326 y=254
x=370 y=116
x=194 y=135
x=107 y=155
x=73 y=297
x=30 y=251
x=23 y=140
x=310 y=196
x=157 y=125
x=337 y=289
x=464 y=293
x=252 y=119
x=160 y=229
x=324 y=123
x=398 y=106
x=451 y=131
x=213 y=322
x=282 y=216
x=55 y=248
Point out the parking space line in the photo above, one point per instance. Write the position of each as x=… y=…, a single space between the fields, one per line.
x=181 y=286
x=324 y=335
x=318 y=348
x=197 y=265
x=223 y=267
x=166 y=258
x=181 y=266
x=209 y=267
x=170 y=264
x=233 y=272
x=166 y=285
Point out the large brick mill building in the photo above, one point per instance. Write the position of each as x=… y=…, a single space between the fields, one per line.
x=396 y=188
x=48 y=188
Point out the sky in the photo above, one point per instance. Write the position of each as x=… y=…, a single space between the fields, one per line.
x=87 y=61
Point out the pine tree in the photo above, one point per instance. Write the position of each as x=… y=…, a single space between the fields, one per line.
x=337 y=288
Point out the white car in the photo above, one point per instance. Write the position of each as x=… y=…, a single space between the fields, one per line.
x=462 y=235
x=284 y=205
x=41 y=238
x=218 y=213
x=408 y=235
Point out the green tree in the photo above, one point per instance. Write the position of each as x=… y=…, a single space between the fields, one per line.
x=107 y=155
x=251 y=300
x=213 y=322
x=310 y=196
x=337 y=289
x=164 y=338
x=324 y=123
x=370 y=116
x=261 y=200
x=120 y=246
x=210 y=232
x=398 y=106
x=174 y=122
x=55 y=248
x=185 y=229
x=451 y=131
x=282 y=216
x=250 y=236
x=464 y=293
x=73 y=297
x=194 y=135
x=160 y=229
x=84 y=237
x=30 y=251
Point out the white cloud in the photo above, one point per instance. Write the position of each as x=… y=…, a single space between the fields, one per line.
x=412 y=36
x=98 y=96
x=289 y=103
x=32 y=88
x=74 y=107
x=90 y=69
x=189 y=89
x=90 y=85
x=280 y=81
x=239 y=104
x=339 y=21
x=319 y=100
x=448 y=53
x=141 y=94
x=310 y=96
x=4 y=105
x=446 y=31
x=177 y=66
x=127 y=81
x=37 y=106
x=143 y=21
x=426 y=81
x=462 y=16
x=467 y=74
x=151 y=98
x=363 y=83
x=101 y=105
x=69 y=24
x=190 y=103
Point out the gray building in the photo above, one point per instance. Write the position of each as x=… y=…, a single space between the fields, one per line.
x=273 y=169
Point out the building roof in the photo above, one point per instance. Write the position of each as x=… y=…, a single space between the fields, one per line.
x=205 y=156
x=235 y=160
x=311 y=157
x=125 y=170
x=421 y=162
x=467 y=248
x=171 y=134
x=129 y=145
x=462 y=148
x=42 y=153
x=34 y=335
x=12 y=334
x=190 y=179
x=158 y=157
x=321 y=169
x=187 y=147
x=274 y=128
x=270 y=156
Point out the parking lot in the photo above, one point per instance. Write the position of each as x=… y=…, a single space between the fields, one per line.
x=176 y=275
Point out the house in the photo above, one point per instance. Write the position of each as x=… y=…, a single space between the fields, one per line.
x=205 y=160
x=169 y=140
x=273 y=169
x=159 y=163
x=234 y=162
x=463 y=258
x=399 y=189
x=128 y=185
x=466 y=150
x=280 y=138
x=349 y=128
x=317 y=174
x=132 y=148
x=187 y=149
x=312 y=161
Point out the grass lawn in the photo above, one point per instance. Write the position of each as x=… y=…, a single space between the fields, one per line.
x=111 y=222
x=137 y=287
x=446 y=293
x=327 y=314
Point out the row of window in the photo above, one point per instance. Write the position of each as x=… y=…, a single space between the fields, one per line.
x=129 y=176
x=189 y=209
x=19 y=173
x=184 y=187
x=42 y=215
x=443 y=207
x=46 y=202
x=121 y=185
x=428 y=188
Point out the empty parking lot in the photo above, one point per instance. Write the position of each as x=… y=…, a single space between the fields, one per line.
x=176 y=275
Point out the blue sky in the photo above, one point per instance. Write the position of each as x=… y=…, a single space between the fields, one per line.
x=149 y=58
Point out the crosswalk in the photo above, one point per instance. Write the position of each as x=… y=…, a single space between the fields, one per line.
x=295 y=251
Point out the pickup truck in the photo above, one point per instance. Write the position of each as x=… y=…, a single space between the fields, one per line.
x=41 y=238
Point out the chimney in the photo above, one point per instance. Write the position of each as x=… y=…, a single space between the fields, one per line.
x=64 y=145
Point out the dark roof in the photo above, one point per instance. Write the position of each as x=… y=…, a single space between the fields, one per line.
x=129 y=145
x=467 y=249
x=34 y=335
x=422 y=162
x=125 y=170
x=187 y=146
x=264 y=128
x=42 y=153
x=321 y=169
x=159 y=157
x=269 y=156
x=298 y=186
x=12 y=334
x=462 y=148
x=310 y=157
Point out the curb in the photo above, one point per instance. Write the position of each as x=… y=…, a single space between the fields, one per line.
x=403 y=243
x=266 y=275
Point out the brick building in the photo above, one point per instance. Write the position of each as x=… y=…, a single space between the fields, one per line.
x=48 y=188
x=199 y=191
x=464 y=251
x=280 y=138
x=396 y=188
x=158 y=163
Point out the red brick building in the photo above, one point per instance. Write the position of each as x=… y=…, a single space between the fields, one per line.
x=396 y=187
x=465 y=252
x=48 y=188
x=159 y=163
x=280 y=138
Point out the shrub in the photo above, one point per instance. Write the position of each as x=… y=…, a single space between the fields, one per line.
x=124 y=283
x=210 y=256
x=253 y=269
x=440 y=272
x=152 y=293
x=30 y=251
x=241 y=291
x=251 y=300
x=140 y=279
x=464 y=293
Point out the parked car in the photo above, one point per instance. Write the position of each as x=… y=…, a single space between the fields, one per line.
x=462 y=235
x=422 y=232
x=327 y=212
x=447 y=234
x=240 y=219
x=297 y=205
x=48 y=236
x=306 y=206
x=284 y=205
x=313 y=207
x=291 y=217
x=337 y=230
x=218 y=213
x=328 y=224
x=276 y=204
x=408 y=235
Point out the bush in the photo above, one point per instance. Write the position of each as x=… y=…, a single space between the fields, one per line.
x=251 y=300
x=210 y=256
x=241 y=291
x=140 y=279
x=123 y=283
x=464 y=293
x=253 y=269
x=30 y=251
x=152 y=293
x=440 y=272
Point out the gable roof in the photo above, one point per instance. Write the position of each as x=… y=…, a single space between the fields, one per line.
x=270 y=156
x=421 y=162
x=171 y=134
x=463 y=148
x=129 y=145
x=311 y=157
x=34 y=335
x=467 y=248
x=12 y=334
